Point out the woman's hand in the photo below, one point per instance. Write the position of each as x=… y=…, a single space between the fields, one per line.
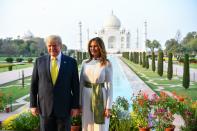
x=75 y=112
x=107 y=113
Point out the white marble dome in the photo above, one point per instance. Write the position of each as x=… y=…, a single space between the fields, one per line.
x=112 y=22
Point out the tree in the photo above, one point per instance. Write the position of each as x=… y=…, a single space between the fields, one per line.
x=147 y=62
x=9 y=49
x=64 y=48
x=178 y=36
x=153 y=61
x=192 y=45
x=131 y=56
x=149 y=44
x=180 y=49
x=160 y=63
x=140 y=58
x=186 y=76
x=144 y=60
x=171 y=45
x=137 y=57
x=1 y=43
x=170 y=66
x=18 y=47
x=188 y=37
x=152 y=45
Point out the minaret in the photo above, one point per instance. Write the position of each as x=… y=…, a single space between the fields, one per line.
x=137 y=42
x=145 y=34
x=80 y=35
x=88 y=34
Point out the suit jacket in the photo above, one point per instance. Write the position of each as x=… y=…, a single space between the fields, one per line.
x=59 y=98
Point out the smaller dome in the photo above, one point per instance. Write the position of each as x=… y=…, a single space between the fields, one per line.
x=112 y=22
x=28 y=34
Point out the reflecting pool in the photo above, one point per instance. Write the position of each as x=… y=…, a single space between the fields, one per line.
x=121 y=86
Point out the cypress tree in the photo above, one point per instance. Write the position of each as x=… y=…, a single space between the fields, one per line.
x=78 y=57
x=153 y=61
x=144 y=60
x=124 y=54
x=130 y=56
x=140 y=58
x=147 y=62
x=127 y=55
x=160 y=64
x=84 y=56
x=23 y=79
x=137 y=57
x=186 y=76
x=170 y=66
x=87 y=55
x=134 y=57
x=81 y=56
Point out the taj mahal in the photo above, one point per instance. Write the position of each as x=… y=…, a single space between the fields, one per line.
x=115 y=39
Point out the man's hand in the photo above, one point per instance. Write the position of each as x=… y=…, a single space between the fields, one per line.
x=75 y=112
x=34 y=111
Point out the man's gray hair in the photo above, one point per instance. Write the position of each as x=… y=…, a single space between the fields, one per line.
x=54 y=38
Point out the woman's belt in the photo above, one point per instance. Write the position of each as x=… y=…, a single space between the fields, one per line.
x=97 y=102
x=90 y=85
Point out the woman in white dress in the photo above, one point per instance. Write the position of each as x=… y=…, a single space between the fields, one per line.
x=96 y=88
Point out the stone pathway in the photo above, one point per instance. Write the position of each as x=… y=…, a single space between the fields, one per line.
x=178 y=70
x=20 y=101
x=9 y=76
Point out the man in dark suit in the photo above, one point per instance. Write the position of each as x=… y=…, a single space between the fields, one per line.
x=54 y=93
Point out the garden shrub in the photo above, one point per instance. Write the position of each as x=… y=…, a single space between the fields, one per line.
x=186 y=74
x=30 y=60
x=147 y=62
x=26 y=121
x=153 y=61
x=19 y=59
x=21 y=122
x=144 y=60
x=2 y=101
x=160 y=64
x=7 y=124
x=9 y=59
x=120 y=120
x=170 y=67
x=10 y=67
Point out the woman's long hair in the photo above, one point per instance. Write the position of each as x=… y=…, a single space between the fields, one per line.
x=103 y=54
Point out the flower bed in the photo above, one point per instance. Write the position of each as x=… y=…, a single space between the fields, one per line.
x=21 y=122
x=158 y=112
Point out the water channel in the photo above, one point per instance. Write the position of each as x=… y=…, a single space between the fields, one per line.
x=121 y=86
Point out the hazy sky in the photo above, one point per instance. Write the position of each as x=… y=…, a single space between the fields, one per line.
x=61 y=17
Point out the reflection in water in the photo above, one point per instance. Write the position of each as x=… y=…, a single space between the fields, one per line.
x=121 y=86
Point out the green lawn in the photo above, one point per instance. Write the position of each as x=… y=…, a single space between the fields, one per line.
x=4 y=68
x=25 y=58
x=191 y=91
x=153 y=80
x=15 y=89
